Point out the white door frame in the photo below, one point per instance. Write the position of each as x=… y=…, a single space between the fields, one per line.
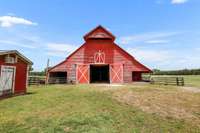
x=14 y=73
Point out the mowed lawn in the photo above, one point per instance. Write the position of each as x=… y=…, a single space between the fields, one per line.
x=101 y=109
x=192 y=80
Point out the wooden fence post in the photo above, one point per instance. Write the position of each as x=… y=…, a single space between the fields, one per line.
x=183 y=81
x=177 y=82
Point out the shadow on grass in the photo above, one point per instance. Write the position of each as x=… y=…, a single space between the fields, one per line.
x=29 y=93
x=15 y=95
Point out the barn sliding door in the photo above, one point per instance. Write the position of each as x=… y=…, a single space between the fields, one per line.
x=116 y=73
x=7 y=79
x=82 y=72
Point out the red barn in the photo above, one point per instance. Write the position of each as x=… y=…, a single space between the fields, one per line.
x=99 y=59
x=14 y=68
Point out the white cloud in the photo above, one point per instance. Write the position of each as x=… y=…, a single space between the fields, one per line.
x=15 y=43
x=186 y=62
x=56 y=54
x=157 y=41
x=146 y=37
x=150 y=55
x=60 y=49
x=179 y=1
x=166 y=59
x=9 y=21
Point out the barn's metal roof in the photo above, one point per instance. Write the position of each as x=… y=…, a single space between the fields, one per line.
x=6 y=52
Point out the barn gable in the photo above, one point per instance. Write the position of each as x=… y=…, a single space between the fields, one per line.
x=100 y=49
x=99 y=33
x=117 y=52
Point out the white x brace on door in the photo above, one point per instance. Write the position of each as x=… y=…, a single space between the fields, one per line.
x=116 y=73
x=83 y=73
x=7 y=79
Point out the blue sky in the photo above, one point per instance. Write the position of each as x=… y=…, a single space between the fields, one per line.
x=163 y=34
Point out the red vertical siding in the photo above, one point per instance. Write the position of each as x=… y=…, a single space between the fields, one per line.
x=85 y=55
x=20 y=74
x=101 y=40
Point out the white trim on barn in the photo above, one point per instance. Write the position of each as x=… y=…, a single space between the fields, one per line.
x=3 y=67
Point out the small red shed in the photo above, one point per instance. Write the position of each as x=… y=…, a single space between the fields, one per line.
x=99 y=59
x=14 y=68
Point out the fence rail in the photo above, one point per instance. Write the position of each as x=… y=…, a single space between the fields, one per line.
x=39 y=80
x=57 y=80
x=36 y=80
x=146 y=78
x=165 y=80
x=179 y=81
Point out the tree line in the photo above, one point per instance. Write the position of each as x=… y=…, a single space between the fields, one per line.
x=177 y=72
x=36 y=73
x=32 y=73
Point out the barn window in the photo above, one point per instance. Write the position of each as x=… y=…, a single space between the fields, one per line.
x=99 y=74
x=57 y=78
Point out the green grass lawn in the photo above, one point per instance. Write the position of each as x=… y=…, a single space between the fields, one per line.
x=192 y=80
x=90 y=108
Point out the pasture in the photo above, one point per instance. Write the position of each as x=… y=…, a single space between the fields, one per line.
x=192 y=80
x=102 y=108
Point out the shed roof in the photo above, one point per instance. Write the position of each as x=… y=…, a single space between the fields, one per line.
x=6 y=52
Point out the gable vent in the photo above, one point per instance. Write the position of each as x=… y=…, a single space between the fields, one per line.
x=9 y=59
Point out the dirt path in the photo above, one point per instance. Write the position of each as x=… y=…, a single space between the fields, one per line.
x=191 y=89
x=167 y=103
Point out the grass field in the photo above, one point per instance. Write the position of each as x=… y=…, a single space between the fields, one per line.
x=192 y=80
x=101 y=109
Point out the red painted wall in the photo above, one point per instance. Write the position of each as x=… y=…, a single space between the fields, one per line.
x=113 y=54
x=20 y=75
